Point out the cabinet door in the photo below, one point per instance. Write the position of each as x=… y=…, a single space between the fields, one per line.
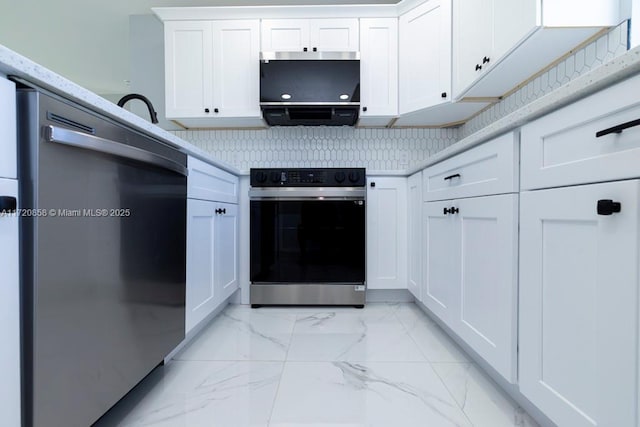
x=284 y=35
x=236 y=71
x=425 y=56
x=226 y=249
x=488 y=279
x=472 y=40
x=386 y=233
x=8 y=144
x=9 y=312
x=440 y=292
x=188 y=68
x=578 y=334
x=414 y=194
x=513 y=20
x=334 y=35
x=378 y=67
x=202 y=296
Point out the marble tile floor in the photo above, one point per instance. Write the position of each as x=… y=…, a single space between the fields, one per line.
x=385 y=365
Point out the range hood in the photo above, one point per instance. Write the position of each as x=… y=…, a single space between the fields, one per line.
x=310 y=88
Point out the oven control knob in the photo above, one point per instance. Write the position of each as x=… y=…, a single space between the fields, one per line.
x=354 y=176
x=340 y=177
x=261 y=176
x=275 y=177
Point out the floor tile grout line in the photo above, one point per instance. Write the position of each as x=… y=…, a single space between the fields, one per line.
x=469 y=365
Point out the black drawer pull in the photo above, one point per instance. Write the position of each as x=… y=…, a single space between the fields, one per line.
x=619 y=128
x=221 y=211
x=455 y=175
x=486 y=59
x=8 y=204
x=608 y=207
x=478 y=67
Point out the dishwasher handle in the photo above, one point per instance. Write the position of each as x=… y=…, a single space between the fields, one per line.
x=95 y=143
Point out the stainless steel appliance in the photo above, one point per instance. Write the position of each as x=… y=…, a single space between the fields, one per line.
x=307 y=237
x=310 y=88
x=103 y=265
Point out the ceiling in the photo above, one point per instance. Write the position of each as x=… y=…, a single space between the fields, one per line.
x=88 y=41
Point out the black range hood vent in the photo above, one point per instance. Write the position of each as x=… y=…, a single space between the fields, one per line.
x=310 y=88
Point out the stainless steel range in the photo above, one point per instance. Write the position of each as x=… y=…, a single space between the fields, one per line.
x=307 y=237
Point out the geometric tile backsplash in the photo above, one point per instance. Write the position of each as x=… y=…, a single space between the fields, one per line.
x=389 y=149
x=318 y=146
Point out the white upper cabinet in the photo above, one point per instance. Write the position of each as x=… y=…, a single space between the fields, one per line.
x=498 y=44
x=310 y=35
x=425 y=56
x=425 y=68
x=378 y=71
x=212 y=73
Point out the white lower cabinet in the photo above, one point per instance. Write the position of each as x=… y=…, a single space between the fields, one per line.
x=386 y=233
x=579 y=303
x=212 y=231
x=414 y=235
x=9 y=311
x=470 y=273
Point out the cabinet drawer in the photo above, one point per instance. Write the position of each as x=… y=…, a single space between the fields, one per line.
x=8 y=145
x=562 y=148
x=490 y=168
x=207 y=182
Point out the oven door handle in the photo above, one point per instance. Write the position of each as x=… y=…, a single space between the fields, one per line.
x=95 y=143
x=308 y=193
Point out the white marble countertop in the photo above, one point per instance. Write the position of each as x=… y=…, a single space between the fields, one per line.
x=618 y=69
x=14 y=64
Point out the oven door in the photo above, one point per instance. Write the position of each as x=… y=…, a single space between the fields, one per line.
x=308 y=240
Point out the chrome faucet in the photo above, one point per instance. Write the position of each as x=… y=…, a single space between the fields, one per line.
x=127 y=98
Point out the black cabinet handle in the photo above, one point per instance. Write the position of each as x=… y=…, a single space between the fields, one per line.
x=619 y=128
x=364 y=109
x=215 y=110
x=478 y=67
x=221 y=211
x=305 y=49
x=315 y=49
x=455 y=175
x=206 y=110
x=443 y=94
x=373 y=184
x=453 y=210
x=608 y=207
x=8 y=204
x=486 y=59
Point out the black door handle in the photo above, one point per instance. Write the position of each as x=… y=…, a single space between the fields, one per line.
x=373 y=184
x=364 y=109
x=215 y=110
x=618 y=129
x=443 y=94
x=446 y=211
x=315 y=49
x=478 y=67
x=486 y=59
x=305 y=49
x=455 y=175
x=221 y=211
x=608 y=207
x=8 y=204
x=206 y=110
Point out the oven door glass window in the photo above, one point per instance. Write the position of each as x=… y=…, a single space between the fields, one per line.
x=308 y=241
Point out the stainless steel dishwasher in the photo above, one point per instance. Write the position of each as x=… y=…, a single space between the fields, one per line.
x=103 y=264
